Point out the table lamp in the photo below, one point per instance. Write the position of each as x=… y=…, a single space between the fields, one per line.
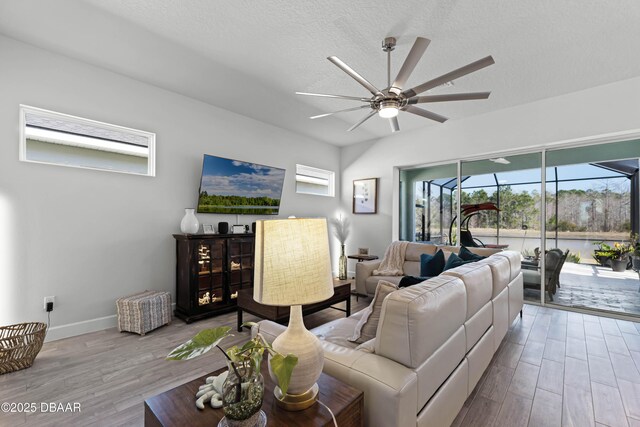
x=293 y=268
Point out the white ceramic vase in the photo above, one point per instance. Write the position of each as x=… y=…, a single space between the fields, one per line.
x=189 y=223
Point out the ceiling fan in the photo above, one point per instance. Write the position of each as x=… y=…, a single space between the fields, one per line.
x=394 y=98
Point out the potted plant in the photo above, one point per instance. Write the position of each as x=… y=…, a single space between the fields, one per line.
x=602 y=253
x=620 y=256
x=635 y=254
x=243 y=388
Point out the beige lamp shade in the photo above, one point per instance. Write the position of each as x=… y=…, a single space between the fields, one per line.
x=292 y=262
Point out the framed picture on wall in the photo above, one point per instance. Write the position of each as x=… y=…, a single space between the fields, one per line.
x=365 y=196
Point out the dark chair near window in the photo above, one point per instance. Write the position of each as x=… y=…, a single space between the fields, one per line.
x=554 y=260
x=469 y=241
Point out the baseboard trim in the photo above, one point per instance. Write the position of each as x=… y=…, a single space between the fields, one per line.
x=84 y=327
x=78 y=328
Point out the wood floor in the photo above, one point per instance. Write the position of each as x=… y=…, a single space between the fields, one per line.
x=111 y=373
x=554 y=368
x=558 y=368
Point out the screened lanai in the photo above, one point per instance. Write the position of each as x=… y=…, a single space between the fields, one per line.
x=435 y=200
x=590 y=198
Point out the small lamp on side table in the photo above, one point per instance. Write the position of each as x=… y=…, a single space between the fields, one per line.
x=293 y=268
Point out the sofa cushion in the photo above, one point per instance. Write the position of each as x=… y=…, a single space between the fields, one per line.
x=432 y=265
x=372 y=282
x=414 y=250
x=411 y=266
x=467 y=255
x=477 y=280
x=367 y=326
x=501 y=272
x=417 y=320
x=338 y=331
x=455 y=261
x=514 y=261
x=435 y=370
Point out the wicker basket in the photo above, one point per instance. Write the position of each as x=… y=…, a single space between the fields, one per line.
x=19 y=345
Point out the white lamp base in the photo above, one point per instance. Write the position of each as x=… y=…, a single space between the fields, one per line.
x=297 y=340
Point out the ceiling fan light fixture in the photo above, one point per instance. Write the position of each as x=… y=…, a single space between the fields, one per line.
x=388 y=109
x=395 y=97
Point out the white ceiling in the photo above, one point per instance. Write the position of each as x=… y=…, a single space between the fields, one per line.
x=251 y=56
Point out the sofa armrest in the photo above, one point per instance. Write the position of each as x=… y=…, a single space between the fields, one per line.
x=390 y=389
x=364 y=270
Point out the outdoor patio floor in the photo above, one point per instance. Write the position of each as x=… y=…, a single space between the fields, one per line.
x=595 y=287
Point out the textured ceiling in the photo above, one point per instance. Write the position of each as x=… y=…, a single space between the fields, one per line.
x=251 y=56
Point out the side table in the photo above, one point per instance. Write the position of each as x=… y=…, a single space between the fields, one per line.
x=177 y=407
x=361 y=258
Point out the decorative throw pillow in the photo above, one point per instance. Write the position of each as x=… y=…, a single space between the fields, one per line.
x=467 y=255
x=411 y=280
x=368 y=324
x=432 y=265
x=455 y=261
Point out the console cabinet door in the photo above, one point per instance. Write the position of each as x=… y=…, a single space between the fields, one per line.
x=240 y=250
x=210 y=270
x=210 y=265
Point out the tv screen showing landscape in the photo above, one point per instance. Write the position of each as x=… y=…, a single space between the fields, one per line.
x=235 y=187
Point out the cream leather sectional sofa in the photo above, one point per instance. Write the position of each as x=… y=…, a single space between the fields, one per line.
x=433 y=343
x=366 y=283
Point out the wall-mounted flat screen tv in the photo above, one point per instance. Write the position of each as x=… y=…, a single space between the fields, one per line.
x=235 y=187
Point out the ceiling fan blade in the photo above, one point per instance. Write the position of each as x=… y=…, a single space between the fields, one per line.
x=357 y=77
x=340 y=111
x=364 y=119
x=449 y=97
x=416 y=52
x=452 y=75
x=425 y=113
x=395 y=126
x=354 y=98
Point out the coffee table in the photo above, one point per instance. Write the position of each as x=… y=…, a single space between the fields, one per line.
x=176 y=407
x=341 y=292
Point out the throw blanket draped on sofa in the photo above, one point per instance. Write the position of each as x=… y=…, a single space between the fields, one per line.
x=391 y=264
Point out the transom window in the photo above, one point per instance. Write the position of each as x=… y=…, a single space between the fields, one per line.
x=61 y=139
x=310 y=180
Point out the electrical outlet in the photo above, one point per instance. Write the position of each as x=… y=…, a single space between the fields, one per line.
x=51 y=300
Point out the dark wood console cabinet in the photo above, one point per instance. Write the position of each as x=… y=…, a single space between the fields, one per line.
x=210 y=270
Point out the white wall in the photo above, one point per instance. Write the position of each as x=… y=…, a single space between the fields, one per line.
x=596 y=111
x=88 y=237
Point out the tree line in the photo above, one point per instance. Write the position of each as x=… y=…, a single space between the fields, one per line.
x=605 y=208
x=208 y=200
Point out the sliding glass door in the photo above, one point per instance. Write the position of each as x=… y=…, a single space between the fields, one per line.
x=571 y=213
x=592 y=213
x=500 y=201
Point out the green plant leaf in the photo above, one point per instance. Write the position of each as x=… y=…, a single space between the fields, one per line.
x=256 y=357
x=249 y=345
x=204 y=341
x=282 y=368
x=232 y=352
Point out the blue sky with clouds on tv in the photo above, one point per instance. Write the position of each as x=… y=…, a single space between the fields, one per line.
x=228 y=177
